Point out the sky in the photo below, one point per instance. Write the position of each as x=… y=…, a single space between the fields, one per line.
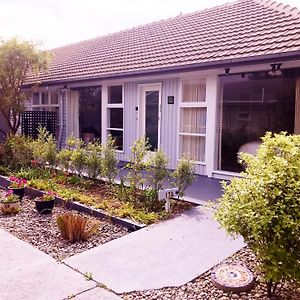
x=54 y=23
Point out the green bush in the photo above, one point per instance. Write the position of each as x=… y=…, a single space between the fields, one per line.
x=183 y=175
x=157 y=168
x=44 y=148
x=264 y=207
x=93 y=159
x=17 y=152
x=109 y=160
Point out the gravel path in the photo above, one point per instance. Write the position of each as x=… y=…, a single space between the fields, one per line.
x=42 y=232
x=201 y=288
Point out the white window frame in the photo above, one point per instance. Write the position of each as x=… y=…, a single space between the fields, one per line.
x=40 y=105
x=114 y=105
x=195 y=104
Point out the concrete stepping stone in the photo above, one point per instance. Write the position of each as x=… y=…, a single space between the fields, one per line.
x=171 y=253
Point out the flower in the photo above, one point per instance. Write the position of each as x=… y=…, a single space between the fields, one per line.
x=50 y=195
x=17 y=183
x=9 y=197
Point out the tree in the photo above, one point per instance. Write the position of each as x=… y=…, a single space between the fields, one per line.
x=264 y=207
x=17 y=60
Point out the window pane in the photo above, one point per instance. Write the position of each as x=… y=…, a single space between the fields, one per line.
x=193 y=91
x=36 y=99
x=115 y=118
x=151 y=126
x=54 y=98
x=193 y=120
x=193 y=147
x=44 y=98
x=115 y=94
x=118 y=136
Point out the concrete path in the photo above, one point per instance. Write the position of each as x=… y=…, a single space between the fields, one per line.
x=171 y=253
x=27 y=273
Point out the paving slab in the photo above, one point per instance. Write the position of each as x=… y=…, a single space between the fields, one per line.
x=27 y=273
x=97 y=294
x=171 y=253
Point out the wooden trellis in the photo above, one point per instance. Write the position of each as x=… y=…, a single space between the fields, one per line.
x=31 y=120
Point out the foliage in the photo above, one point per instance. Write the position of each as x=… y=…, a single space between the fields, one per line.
x=17 y=59
x=76 y=228
x=137 y=165
x=264 y=207
x=44 y=148
x=109 y=160
x=17 y=183
x=10 y=197
x=78 y=155
x=18 y=151
x=93 y=159
x=157 y=168
x=48 y=196
x=183 y=175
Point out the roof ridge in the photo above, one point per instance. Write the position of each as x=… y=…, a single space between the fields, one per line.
x=230 y=2
x=281 y=7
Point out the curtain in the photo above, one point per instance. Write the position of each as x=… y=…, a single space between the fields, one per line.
x=193 y=120
x=297 y=107
x=73 y=113
x=193 y=91
x=193 y=147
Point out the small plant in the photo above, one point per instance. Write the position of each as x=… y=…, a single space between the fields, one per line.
x=17 y=183
x=88 y=276
x=137 y=165
x=75 y=228
x=157 y=168
x=10 y=203
x=183 y=175
x=44 y=148
x=93 y=159
x=109 y=160
x=10 y=197
x=48 y=196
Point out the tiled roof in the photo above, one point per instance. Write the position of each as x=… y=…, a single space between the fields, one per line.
x=244 y=28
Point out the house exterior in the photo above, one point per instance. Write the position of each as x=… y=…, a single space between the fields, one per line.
x=207 y=84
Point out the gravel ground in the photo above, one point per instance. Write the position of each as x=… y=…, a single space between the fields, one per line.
x=42 y=232
x=201 y=288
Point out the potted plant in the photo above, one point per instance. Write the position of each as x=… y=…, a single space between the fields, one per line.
x=17 y=186
x=45 y=204
x=10 y=203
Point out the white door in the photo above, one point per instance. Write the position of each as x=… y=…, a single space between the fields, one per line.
x=150 y=113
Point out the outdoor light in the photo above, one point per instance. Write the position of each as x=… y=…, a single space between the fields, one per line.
x=276 y=70
x=227 y=70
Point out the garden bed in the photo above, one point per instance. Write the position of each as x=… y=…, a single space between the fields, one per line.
x=202 y=288
x=42 y=232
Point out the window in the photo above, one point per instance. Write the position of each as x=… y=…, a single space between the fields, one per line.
x=192 y=129
x=46 y=101
x=115 y=124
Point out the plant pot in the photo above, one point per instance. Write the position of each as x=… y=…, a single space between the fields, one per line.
x=9 y=208
x=44 y=207
x=18 y=191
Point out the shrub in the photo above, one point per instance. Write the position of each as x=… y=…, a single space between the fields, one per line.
x=44 y=148
x=183 y=175
x=78 y=155
x=264 y=207
x=75 y=228
x=93 y=159
x=157 y=168
x=17 y=151
x=109 y=160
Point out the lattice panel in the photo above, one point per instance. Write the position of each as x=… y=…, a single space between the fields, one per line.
x=31 y=120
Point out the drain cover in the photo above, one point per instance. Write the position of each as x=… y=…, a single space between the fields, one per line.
x=232 y=278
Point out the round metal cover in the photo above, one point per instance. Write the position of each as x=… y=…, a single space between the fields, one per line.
x=232 y=278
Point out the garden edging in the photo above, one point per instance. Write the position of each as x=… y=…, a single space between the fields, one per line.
x=32 y=192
